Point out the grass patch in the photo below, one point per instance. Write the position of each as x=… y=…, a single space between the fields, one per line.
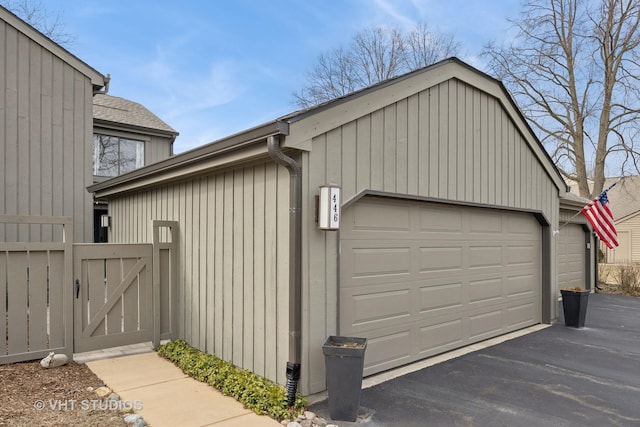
x=262 y=396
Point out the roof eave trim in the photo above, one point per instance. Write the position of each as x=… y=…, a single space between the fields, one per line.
x=108 y=124
x=217 y=148
x=571 y=204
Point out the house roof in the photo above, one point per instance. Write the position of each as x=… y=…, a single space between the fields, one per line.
x=97 y=79
x=301 y=126
x=113 y=109
x=624 y=197
x=572 y=200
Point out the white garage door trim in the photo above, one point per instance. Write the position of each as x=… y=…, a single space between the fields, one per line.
x=422 y=278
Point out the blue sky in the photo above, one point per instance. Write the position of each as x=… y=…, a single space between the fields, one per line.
x=214 y=68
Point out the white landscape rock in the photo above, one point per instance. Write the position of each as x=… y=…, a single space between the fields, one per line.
x=103 y=391
x=135 y=420
x=54 y=360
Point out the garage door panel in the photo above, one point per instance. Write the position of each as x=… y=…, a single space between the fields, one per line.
x=485 y=222
x=521 y=224
x=574 y=249
x=440 y=220
x=402 y=344
x=370 y=217
x=485 y=256
x=388 y=350
x=457 y=276
x=521 y=315
x=520 y=285
x=441 y=258
x=378 y=307
x=488 y=290
x=523 y=255
x=378 y=261
x=434 y=299
x=571 y=256
x=485 y=325
x=386 y=261
x=440 y=336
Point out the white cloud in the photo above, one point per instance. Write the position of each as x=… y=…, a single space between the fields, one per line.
x=398 y=13
x=186 y=93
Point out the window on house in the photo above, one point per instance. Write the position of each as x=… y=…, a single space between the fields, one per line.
x=113 y=156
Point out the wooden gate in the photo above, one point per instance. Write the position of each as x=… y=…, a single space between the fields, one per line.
x=113 y=295
x=56 y=296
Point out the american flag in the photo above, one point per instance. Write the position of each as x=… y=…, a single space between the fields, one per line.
x=601 y=219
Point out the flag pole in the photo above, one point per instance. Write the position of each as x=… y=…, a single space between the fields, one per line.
x=556 y=232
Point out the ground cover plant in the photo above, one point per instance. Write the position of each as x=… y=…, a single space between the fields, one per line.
x=262 y=396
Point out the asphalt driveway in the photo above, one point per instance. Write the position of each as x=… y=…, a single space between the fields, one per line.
x=558 y=376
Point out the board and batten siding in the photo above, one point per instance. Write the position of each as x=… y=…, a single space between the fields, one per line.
x=451 y=141
x=156 y=148
x=233 y=260
x=569 y=215
x=45 y=139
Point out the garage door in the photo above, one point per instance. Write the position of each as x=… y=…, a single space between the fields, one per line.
x=571 y=256
x=418 y=278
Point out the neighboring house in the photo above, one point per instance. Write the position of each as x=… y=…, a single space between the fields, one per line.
x=126 y=136
x=449 y=210
x=625 y=205
x=55 y=121
x=624 y=201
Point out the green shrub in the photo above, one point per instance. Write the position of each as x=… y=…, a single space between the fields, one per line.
x=262 y=396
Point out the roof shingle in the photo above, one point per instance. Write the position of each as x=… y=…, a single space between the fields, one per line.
x=120 y=110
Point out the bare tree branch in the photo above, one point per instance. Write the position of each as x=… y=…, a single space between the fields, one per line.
x=49 y=23
x=374 y=55
x=573 y=68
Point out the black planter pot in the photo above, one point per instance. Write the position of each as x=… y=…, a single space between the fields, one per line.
x=344 y=362
x=574 y=305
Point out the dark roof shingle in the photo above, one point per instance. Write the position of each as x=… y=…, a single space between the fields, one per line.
x=120 y=110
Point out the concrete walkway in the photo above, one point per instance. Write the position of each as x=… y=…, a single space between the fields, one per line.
x=169 y=397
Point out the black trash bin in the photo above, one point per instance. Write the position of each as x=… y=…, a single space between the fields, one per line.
x=574 y=305
x=344 y=362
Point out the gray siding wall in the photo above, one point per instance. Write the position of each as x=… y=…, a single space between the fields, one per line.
x=569 y=215
x=233 y=260
x=45 y=139
x=156 y=149
x=451 y=141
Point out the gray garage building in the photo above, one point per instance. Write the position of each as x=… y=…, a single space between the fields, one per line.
x=449 y=203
